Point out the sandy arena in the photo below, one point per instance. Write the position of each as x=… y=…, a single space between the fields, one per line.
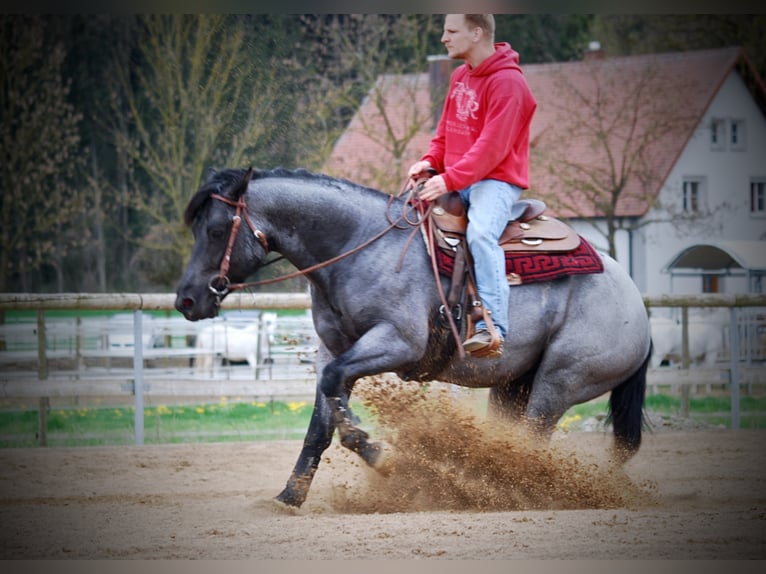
x=457 y=491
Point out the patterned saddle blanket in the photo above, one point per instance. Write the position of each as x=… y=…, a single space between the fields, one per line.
x=537 y=247
x=524 y=267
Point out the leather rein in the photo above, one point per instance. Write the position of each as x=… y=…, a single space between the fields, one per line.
x=220 y=285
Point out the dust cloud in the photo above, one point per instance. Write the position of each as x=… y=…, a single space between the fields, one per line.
x=444 y=455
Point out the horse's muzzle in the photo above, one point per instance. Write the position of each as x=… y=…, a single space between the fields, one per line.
x=192 y=310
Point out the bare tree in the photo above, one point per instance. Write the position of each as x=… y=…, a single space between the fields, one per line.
x=202 y=96
x=603 y=144
x=39 y=204
x=380 y=50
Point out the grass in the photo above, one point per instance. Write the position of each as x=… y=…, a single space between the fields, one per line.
x=222 y=421
x=713 y=410
x=238 y=420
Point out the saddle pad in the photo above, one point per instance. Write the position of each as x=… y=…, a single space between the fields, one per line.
x=524 y=267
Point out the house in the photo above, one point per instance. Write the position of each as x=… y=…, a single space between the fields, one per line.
x=691 y=218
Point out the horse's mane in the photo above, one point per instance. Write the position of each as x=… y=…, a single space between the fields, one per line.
x=301 y=173
x=219 y=181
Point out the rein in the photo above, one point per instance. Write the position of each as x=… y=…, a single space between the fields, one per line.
x=220 y=285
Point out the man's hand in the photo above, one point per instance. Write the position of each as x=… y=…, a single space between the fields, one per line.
x=433 y=188
x=418 y=169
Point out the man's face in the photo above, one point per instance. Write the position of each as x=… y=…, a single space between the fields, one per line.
x=458 y=38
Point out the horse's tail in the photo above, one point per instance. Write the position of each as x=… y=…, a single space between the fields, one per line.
x=626 y=411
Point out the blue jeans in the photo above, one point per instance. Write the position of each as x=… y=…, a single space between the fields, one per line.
x=490 y=203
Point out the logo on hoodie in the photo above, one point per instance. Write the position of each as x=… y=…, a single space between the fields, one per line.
x=466 y=101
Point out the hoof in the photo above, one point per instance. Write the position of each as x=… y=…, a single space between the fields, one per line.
x=288 y=498
x=275 y=506
x=383 y=462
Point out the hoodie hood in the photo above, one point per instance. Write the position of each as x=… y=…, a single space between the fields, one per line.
x=504 y=57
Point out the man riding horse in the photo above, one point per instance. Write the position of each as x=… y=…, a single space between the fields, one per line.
x=481 y=153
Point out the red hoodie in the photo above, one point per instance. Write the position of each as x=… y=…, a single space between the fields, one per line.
x=484 y=128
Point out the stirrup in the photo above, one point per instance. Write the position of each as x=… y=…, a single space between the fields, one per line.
x=492 y=351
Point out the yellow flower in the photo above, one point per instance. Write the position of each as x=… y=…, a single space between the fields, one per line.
x=566 y=422
x=295 y=407
x=200 y=410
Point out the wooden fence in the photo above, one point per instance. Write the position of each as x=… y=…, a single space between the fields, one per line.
x=139 y=381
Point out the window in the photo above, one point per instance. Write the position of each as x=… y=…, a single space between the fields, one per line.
x=737 y=134
x=717 y=134
x=692 y=195
x=758 y=196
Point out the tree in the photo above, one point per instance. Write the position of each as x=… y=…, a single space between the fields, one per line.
x=199 y=96
x=42 y=207
x=602 y=147
x=544 y=37
x=627 y=34
x=377 y=52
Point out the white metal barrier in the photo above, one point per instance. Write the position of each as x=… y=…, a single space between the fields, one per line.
x=134 y=382
x=138 y=381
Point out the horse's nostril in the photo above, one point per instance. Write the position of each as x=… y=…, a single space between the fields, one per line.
x=187 y=303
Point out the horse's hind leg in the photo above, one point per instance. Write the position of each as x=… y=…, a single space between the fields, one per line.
x=509 y=400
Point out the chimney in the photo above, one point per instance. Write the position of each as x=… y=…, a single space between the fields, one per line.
x=440 y=69
x=594 y=51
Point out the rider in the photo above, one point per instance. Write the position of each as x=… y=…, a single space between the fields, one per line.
x=481 y=152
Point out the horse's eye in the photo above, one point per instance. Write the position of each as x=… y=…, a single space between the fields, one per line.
x=215 y=233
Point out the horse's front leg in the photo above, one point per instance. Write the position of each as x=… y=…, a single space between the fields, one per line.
x=318 y=438
x=380 y=350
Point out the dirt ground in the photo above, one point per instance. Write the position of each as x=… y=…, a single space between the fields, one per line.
x=458 y=492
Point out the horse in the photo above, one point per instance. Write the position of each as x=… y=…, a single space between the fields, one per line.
x=221 y=341
x=706 y=341
x=375 y=305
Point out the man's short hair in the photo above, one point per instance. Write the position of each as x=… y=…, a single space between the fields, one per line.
x=484 y=21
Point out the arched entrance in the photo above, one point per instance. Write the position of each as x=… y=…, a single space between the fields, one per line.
x=709 y=261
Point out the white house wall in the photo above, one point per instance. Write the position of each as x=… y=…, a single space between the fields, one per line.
x=727 y=174
x=597 y=238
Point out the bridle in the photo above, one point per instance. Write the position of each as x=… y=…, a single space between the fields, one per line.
x=221 y=285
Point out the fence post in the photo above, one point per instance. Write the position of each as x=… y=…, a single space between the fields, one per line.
x=685 y=361
x=43 y=403
x=138 y=376
x=734 y=366
x=42 y=357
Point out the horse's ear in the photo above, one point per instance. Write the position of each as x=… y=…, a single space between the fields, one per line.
x=241 y=187
x=211 y=173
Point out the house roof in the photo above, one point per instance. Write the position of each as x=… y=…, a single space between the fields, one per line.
x=687 y=83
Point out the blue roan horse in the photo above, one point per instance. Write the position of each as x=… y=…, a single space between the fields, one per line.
x=377 y=311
